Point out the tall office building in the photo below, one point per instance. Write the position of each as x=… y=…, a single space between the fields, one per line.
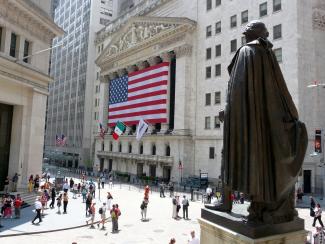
x=211 y=32
x=72 y=68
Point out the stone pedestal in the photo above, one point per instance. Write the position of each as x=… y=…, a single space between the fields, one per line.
x=215 y=234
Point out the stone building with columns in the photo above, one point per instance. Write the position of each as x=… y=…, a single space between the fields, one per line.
x=26 y=33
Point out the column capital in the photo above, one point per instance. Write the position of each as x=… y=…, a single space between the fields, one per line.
x=112 y=75
x=154 y=60
x=142 y=65
x=122 y=72
x=131 y=68
x=167 y=56
x=184 y=50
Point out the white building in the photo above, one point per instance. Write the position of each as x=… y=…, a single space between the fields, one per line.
x=202 y=37
x=69 y=112
x=26 y=30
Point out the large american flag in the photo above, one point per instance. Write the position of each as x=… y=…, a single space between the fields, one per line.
x=141 y=94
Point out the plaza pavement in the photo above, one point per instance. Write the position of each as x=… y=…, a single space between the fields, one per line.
x=159 y=229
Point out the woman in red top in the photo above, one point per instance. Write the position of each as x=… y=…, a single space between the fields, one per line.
x=17 y=204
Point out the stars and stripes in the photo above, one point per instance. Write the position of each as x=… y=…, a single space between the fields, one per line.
x=60 y=140
x=139 y=95
x=101 y=131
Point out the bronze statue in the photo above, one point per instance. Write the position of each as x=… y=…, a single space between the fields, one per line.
x=264 y=142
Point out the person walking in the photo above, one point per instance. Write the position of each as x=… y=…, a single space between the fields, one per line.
x=174 y=202
x=53 y=195
x=171 y=189
x=185 y=204
x=38 y=208
x=36 y=183
x=114 y=219
x=178 y=207
x=109 y=200
x=6 y=185
x=65 y=186
x=17 y=204
x=15 y=182
x=118 y=214
x=59 y=203
x=102 y=212
x=193 y=240
x=162 y=189
x=103 y=181
x=84 y=194
x=318 y=215
x=30 y=183
x=71 y=183
x=92 y=212
x=43 y=202
x=319 y=236
x=143 y=207
x=209 y=194
x=88 y=202
x=65 y=202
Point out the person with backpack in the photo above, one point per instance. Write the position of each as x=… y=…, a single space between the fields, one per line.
x=102 y=212
x=143 y=207
x=92 y=212
x=88 y=203
x=185 y=204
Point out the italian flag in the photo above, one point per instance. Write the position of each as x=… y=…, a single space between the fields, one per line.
x=119 y=129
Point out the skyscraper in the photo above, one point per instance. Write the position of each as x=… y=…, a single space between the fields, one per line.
x=72 y=65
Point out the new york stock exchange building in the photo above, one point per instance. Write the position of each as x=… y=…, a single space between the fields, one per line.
x=148 y=70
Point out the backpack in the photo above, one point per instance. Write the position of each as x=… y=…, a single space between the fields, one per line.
x=100 y=211
x=90 y=211
x=142 y=206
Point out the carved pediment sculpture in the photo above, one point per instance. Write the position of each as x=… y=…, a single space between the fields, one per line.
x=319 y=19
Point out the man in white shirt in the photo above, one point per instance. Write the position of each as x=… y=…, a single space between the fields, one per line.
x=193 y=240
x=38 y=208
x=66 y=186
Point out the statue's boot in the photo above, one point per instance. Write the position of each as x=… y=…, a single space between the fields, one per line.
x=225 y=205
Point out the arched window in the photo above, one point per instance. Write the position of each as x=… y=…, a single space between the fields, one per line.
x=111 y=146
x=120 y=147
x=167 y=150
x=153 y=149
x=130 y=148
x=141 y=149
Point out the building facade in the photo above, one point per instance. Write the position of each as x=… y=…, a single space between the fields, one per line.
x=201 y=77
x=72 y=67
x=26 y=32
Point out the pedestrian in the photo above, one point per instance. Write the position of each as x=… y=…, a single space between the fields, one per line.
x=185 y=204
x=36 y=183
x=65 y=202
x=38 y=208
x=111 y=182
x=6 y=185
x=174 y=202
x=319 y=236
x=53 y=195
x=7 y=208
x=59 y=203
x=171 y=189
x=102 y=212
x=193 y=240
x=17 y=204
x=88 y=202
x=92 y=212
x=91 y=188
x=71 y=183
x=114 y=219
x=103 y=181
x=84 y=194
x=172 y=241
x=118 y=214
x=43 y=202
x=162 y=189
x=318 y=215
x=30 y=183
x=143 y=207
x=146 y=192
x=109 y=200
x=75 y=191
x=65 y=186
x=208 y=193
x=15 y=182
x=178 y=207
x=79 y=189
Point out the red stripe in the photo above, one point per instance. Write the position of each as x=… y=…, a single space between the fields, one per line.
x=150 y=94
x=135 y=105
x=135 y=122
x=148 y=77
x=149 y=68
x=159 y=83
x=147 y=112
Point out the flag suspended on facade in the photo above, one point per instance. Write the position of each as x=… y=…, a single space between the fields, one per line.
x=140 y=94
x=60 y=141
x=141 y=129
x=119 y=129
x=101 y=131
x=63 y=140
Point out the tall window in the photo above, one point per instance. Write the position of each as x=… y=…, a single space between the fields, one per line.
x=209 y=31
x=111 y=147
x=218 y=50
x=277 y=32
x=217 y=97
x=208 y=53
x=103 y=146
x=13 y=45
x=218 y=69
x=167 y=150
x=130 y=148
x=233 y=45
x=218 y=27
x=141 y=149
x=26 y=51
x=218 y=3
x=233 y=21
x=276 y=5
x=211 y=152
x=208 y=72
x=263 y=9
x=152 y=170
x=244 y=17
x=207 y=99
x=278 y=54
x=120 y=147
x=207 y=124
x=153 y=149
x=216 y=122
x=209 y=4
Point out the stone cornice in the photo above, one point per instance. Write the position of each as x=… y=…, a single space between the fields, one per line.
x=319 y=19
x=143 y=8
x=23 y=13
